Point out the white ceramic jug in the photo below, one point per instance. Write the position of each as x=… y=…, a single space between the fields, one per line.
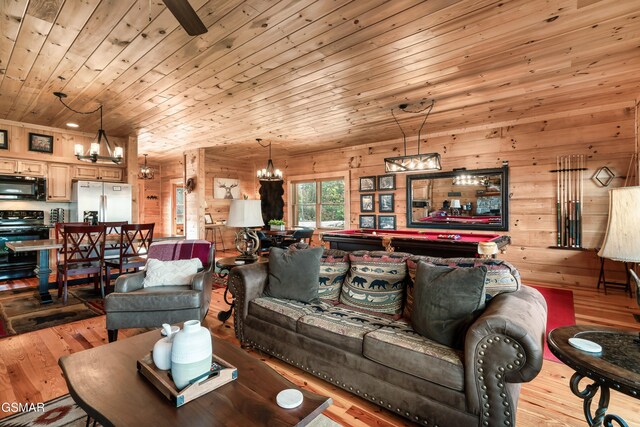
x=162 y=349
x=191 y=353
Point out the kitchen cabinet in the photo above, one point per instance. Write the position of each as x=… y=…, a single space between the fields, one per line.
x=22 y=167
x=58 y=183
x=97 y=173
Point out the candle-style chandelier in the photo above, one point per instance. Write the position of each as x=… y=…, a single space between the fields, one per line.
x=146 y=172
x=270 y=173
x=116 y=153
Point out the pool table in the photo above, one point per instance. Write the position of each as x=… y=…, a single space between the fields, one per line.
x=418 y=242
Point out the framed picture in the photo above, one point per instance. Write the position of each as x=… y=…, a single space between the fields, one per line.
x=4 y=140
x=367 y=221
x=40 y=143
x=385 y=202
x=208 y=219
x=226 y=188
x=367 y=183
x=367 y=203
x=387 y=222
x=386 y=182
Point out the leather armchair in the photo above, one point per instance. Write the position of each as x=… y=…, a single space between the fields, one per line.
x=131 y=305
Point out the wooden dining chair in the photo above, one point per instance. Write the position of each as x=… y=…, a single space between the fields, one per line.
x=82 y=253
x=58 y=233
x=133 y=245
x=112 y=249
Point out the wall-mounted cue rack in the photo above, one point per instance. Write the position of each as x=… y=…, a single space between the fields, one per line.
x=569 y=204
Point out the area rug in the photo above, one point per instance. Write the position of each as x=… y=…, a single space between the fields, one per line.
x=219 y=282
x=21 y=312
x=560 y=312
x=64 y=412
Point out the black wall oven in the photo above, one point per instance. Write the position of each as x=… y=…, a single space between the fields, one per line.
x=16 y=226
x=22 y=188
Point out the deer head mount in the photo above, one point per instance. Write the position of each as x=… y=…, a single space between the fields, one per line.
x=227 y=189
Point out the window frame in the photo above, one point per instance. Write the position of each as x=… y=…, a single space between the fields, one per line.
x=318 y=179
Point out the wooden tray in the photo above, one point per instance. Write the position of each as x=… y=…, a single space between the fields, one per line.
x=221 y=374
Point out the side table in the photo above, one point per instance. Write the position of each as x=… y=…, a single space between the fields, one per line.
x=617 y=367
x=224 y=266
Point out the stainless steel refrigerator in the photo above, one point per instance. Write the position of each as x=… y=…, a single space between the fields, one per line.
x=100 y=201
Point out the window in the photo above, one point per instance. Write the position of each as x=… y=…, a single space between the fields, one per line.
x=319 y=203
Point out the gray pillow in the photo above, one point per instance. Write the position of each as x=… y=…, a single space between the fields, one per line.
x=294 y=274
x=446 y=301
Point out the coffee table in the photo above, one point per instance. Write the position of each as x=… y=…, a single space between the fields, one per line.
x=617 y=367
x=105 y=383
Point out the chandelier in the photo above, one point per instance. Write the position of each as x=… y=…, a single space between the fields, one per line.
x=414 y=162
x=93 y=154
x=145 y=171
x=270 y=173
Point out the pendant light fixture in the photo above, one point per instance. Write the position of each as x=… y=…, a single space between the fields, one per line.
x=414 y=162
x=270 y=173
x=116 y=153
x=145 y=171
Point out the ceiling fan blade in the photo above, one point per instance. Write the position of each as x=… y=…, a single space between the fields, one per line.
x=186 y=16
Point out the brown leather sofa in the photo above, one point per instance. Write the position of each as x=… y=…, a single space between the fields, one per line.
x=391 y=365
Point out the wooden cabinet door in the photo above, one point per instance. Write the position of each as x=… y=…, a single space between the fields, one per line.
x=31 y=168
x=110 y=174
x=59 y=183
x=85 y=172
x=8 y=166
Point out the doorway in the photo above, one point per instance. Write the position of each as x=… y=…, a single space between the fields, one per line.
x=178 y=209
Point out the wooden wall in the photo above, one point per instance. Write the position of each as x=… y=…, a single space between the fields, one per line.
x=150 y=197
x=606 y=137
x=217 y=166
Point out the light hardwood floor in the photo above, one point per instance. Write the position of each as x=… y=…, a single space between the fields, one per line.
x=29 y=370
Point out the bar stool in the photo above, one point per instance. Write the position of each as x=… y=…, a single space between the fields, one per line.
x=216 y=230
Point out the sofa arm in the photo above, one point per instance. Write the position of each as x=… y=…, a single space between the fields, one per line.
x=202 y=282
x=246 y=282
x=129 y=282
x=504 y=345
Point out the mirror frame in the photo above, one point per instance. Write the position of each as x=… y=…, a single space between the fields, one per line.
x=504 y=175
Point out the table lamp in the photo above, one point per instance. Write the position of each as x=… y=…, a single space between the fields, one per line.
x=487 y=249
x=455 y=207
x=244 y=214
x=622 y=239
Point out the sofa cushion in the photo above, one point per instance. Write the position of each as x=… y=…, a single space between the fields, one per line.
x=376 y=281
x=294 y=274
x=501 y=276
x=284 y=312
x=154 y=299
x=446 y=301
x=340 y=327
x=399 y=347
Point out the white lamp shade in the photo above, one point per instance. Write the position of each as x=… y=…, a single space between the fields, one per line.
x=622 y=240
x=487 y=248
x=455 y=203
x=245 y=213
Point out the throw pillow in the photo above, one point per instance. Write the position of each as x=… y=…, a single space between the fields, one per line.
x=334 y=266
x=294 y=274
x=168 y=273
x=446 y=301
x=375 y=281
x=501 y=276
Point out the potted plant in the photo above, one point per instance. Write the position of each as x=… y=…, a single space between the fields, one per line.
x=276 y=224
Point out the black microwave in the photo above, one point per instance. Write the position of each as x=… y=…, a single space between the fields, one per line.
x=22 y=188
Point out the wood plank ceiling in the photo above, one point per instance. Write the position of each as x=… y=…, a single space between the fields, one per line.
x=310 y=75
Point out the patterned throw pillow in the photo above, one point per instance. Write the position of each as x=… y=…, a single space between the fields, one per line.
x=334 y=266
x=170 y=273
x=501 y=275
x=376 y=281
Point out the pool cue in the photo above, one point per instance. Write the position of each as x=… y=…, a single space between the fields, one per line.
x=564 y=202
x=558 y=210
x=570 y=200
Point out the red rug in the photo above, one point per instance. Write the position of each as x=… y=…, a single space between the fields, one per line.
x=560 y=312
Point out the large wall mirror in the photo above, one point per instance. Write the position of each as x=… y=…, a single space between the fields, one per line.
x=461 y=199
